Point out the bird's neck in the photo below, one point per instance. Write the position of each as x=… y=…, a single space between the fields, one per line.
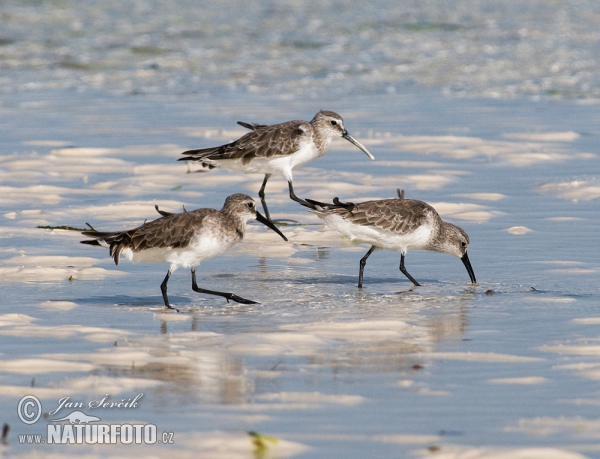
x=240 y=227
x=322 y=143
x=238 y=223
x=439 y=236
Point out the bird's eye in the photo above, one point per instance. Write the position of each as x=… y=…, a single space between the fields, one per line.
x=333 y=122
x=463 y=243
x=250 y=205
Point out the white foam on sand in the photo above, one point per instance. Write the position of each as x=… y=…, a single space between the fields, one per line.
x=6 y=233
x=170 y=317
x=410 y=164
x=464 y=211
x=363 y=331
x=7 y=320
x=563 y=219
x=574 y=271
x=549 y=299
x=582 y=369
x=51 y=261
x=46 y=143
x=41 y=366
x=167 y=150
x=68 y=162
x=572 y=349
x=515 y=153
x=544 y=426
x=470 y=452
x=481 y=357
x=127 y=357
x=575 y=190
x=106 y=384
x=398 y=439
x=40 y=194
x=212 y=133
x=25 y=268
x=524 y=380
x=117 y=211
x=57 y=305
x=568 y=136
x=311 y=398
x=274 y=344
x=482 y=196
x=431 y=181
x=518 y=230
x=94 y=334
x=41 y=392
x=264 y=242
x=405 y=439
x=587 y=320
x=83 y=152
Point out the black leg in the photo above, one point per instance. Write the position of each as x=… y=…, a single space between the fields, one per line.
x=405 y=272
x=294 y=197
x=163 y=289
x=363 y=262
x=227 y=296
x=261 y=195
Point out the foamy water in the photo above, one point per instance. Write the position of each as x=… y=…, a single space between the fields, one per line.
x=96 y=110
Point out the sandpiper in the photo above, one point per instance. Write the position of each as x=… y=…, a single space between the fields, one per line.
x=185 y=239
x=396 y=224
x=276 y=149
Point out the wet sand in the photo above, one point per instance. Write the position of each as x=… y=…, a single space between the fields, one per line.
x=486 y=111
x=503 y=369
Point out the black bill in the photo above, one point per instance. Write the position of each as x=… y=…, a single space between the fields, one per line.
x=356 y=143
x=467 y=263
x=270 y=224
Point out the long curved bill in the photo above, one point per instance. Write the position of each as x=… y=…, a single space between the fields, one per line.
x=270 y=224
x=356 y=143
x=467 y=263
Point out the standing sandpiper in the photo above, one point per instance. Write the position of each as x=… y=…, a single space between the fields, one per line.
x=276 y=149
x=185 y=239
x=396 y=224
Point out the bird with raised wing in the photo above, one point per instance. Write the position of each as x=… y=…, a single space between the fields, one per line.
x=397 y=224
x=276 y=149
x=185 y=239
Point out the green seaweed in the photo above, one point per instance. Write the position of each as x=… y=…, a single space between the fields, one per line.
x=68 y=228
x=260 y=443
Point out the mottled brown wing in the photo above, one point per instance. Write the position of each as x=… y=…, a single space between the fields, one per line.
x=400 y=216
x=263 y=142
x=175 y=230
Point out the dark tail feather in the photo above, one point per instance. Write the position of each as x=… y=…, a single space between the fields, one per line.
x=251 y=126
x=162 y=212
x=196 y=158
x=114 y=239
x=191 y=155
x=197 y=155
x=337 y=204
x=91 y=242
x=99 y=234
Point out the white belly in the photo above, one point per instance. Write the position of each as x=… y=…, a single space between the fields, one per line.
x=277 y=165
x=418 y=239
x=199 y=250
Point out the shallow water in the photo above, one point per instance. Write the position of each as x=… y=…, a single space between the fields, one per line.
x=504 y=369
